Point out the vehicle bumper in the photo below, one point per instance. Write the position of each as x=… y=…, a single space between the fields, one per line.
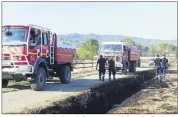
x=26 y=69
x=119 y=65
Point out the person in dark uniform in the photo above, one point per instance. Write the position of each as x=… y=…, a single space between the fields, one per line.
x=112 y=68
x=164 y=65
x=102 y=62
x=157 y=62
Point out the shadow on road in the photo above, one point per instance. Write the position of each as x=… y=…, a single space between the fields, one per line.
x=19 y=87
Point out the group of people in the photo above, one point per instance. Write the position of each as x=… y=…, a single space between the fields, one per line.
x=102 y=63
x=111 y=67
x=161 y=65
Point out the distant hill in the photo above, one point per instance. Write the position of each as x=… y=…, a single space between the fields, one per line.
x=100 y=38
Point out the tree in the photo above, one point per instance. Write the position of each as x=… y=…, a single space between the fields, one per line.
x=166 y=48
x=88 y=49
x=139 y=46
x=162 y=48
x=82 y=53
x=92 y=46
x=152 y=50
x=171 y=48
x=129 y=41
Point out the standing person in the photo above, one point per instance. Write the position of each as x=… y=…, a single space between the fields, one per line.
x=157 y=62
x=125 y=63
x=101 y=61
x=164 y=65
x=112 y=68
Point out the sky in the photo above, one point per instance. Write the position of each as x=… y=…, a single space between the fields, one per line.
x=151 y=20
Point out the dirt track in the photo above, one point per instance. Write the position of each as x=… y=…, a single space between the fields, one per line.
x=14 y=102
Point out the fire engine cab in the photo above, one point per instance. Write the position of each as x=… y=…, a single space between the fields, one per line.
x=116 y=50
x=34 y=53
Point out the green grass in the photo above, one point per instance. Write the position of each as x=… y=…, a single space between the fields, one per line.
x=173 y=67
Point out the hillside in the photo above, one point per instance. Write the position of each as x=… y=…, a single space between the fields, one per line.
x=142 y=41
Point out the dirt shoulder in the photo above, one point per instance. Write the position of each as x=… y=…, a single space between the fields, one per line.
x=156 y=98
x=16 y=86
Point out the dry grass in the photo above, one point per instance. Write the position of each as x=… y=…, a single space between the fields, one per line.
x=173 y=67
x=156 y=98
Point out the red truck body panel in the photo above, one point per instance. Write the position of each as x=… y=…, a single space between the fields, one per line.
x=62 y=55
x=134 y=53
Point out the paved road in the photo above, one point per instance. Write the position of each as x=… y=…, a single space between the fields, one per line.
x=27 y=99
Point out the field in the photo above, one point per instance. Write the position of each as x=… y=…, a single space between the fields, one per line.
x=156 y=98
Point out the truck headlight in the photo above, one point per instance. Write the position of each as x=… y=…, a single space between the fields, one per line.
x=6 y=62
x=118 y=59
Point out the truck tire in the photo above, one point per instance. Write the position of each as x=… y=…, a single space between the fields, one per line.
x=139 y=63
x=17 y=78
x=39 y=80
x=65 y=74
x=132 y=67
x=4 y=83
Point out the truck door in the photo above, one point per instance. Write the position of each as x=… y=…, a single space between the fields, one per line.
x=45 y=48
x=35 y=46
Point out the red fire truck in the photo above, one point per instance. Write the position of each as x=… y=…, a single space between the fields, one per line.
x=34 y=53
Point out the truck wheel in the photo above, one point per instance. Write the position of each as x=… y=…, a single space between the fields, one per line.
x=17 y=78
x=139 y=63
x=4 y=83
x=134 y=67
x=130 y=67
x=39 y=80
x=65 y=75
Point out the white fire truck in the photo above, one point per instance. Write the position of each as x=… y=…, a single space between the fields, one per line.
x=116 y=51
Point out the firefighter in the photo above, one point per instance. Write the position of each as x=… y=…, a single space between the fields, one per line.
x=101 y=61
x=125 y=63
x=112 y=68
x=157 y=62
x=164 y=65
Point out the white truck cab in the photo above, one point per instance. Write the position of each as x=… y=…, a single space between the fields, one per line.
x=114 y=50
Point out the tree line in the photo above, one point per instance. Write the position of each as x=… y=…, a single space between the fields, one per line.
x=88 y=48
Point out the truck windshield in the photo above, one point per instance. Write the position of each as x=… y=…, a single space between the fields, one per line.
x=13 y=34
x=111 y=48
